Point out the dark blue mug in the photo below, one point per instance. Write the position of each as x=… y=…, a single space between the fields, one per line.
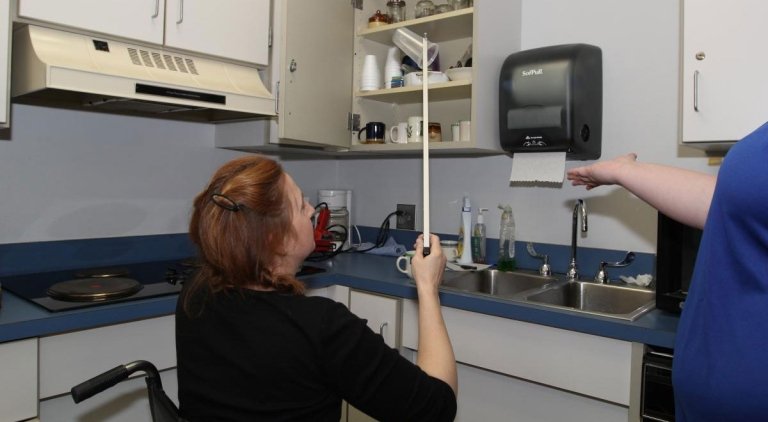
x=374 y=133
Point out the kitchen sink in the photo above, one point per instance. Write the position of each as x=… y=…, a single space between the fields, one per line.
x=497 y=283
x=597 y=299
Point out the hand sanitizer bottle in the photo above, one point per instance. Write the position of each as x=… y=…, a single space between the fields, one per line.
x=466 y=229
x=478 y=238
x=506 y=260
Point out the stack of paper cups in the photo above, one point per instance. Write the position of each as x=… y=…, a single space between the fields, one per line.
x=392 y=66
x=370 y=77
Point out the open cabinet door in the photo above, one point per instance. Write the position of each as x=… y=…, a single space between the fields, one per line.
x=315 y=91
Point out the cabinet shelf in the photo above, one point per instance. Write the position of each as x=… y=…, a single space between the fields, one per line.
x=445 y=91
x=443 y=27
x=414 y=149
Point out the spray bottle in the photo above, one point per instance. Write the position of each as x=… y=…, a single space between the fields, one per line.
x=478 y=238
x=465 y=244
x=506 y=260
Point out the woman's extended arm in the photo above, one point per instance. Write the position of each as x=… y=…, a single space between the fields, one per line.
x=435 y=351
x=683 y=195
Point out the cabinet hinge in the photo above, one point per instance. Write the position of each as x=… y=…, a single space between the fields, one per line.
x=353 y=122
x=269 y=37
x=357 y=4
x=277 y=98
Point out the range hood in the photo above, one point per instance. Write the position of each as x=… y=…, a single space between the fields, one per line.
x=62 y=69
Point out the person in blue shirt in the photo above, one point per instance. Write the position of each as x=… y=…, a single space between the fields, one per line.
x=720 y=369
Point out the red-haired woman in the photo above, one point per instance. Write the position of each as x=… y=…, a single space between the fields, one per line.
x=250 y=346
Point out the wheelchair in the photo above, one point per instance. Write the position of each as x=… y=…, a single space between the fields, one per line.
x=161 y=406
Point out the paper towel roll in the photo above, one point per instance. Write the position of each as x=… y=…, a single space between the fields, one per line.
x=538 y=167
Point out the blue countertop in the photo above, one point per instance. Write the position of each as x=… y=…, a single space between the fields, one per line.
x=21 y=319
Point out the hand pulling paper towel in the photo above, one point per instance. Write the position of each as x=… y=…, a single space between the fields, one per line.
x=538 y=167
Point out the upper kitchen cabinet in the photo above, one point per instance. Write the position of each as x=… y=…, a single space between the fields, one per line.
x=320 y=100
x=234 y=29
x=5 y=65
x=724 y=81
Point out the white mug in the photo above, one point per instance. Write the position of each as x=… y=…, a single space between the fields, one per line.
x=407 y=259
x=398 y=134
x=415 y=129
x=464 y=130
x=455 y=132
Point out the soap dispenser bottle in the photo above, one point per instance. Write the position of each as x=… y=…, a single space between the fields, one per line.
x=506 y=260
x=478 y=238
x=465 y=233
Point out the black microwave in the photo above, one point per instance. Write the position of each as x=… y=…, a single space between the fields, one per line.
x=676 y=249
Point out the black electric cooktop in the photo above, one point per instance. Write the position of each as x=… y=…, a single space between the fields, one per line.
x=87 y=287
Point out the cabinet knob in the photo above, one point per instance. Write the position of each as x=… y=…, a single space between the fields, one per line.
x=292 y=66
x=700 y=55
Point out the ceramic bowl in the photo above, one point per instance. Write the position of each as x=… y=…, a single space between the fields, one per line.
x=459 y=73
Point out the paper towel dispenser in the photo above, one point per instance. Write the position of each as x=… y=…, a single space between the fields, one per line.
x=551 y=99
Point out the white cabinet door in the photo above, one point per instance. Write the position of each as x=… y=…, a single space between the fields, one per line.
x=71 y=358
x=125 y=402
x=235 y=29
x=382 y=313
x=5 y=63
x=18 y=383
x=135 y=19
x=315 y=91
x=724 y=71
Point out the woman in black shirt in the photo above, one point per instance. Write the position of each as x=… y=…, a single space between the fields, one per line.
x=251 y=347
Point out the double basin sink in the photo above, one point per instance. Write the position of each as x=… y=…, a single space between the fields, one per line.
x=584 y=297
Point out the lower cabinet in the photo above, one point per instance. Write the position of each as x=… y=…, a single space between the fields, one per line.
x=125 y=402
x=513 y=370
x=383 y=316
x=18 y=382
x=71 y=358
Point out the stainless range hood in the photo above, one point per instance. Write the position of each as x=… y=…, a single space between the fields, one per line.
x=62 y=69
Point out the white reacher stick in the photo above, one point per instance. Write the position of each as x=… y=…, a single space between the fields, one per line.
x=425 y=138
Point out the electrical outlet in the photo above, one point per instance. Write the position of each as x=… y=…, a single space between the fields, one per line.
x=407 y=221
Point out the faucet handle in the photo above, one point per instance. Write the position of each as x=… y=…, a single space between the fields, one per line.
x=545 y=269
x=601 y=276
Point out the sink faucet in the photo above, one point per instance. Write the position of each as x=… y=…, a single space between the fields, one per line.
x=578 y=208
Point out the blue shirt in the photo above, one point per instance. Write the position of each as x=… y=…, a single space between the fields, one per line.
x=720 y=370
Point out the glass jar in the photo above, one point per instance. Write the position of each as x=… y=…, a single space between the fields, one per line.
x=396 y=10
x=459 y=4
x=442 y=8
x=378 y=19
x=424 y=8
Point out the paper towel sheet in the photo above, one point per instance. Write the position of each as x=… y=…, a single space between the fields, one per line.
x=538 y=167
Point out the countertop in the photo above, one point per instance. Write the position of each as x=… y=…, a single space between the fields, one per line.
x=20 y=319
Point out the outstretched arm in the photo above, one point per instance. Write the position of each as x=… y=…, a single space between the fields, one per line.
x=435 y=351
x=683 y=195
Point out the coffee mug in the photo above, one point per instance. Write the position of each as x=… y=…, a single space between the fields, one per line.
x=415 y=129
x=406 y=258
x=398 y=134
x=374 y=133
x=449 y=249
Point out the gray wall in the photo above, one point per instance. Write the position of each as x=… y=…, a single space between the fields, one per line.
x=640 y=43
x=70 y=175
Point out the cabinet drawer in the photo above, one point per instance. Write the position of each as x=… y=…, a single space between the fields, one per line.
x=18 y=384
x=68 y=359
x=582 y=363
